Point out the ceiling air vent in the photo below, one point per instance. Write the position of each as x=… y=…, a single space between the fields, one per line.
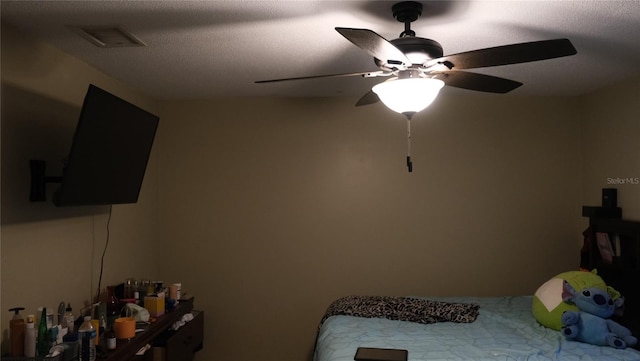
x=109 y=36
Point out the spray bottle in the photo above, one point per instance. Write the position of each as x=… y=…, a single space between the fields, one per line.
x=16 y=333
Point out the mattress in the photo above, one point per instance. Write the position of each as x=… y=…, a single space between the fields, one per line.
x=504 y=330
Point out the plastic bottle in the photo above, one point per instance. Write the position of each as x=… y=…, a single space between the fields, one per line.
x=95 y=322
x=30 y=337
x=69 y=319
x=42 y=345
x=16 y=333
x=87 y=336
x=61 y=310
x=102 y=332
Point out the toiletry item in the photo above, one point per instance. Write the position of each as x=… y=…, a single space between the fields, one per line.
x=42 y=344
x=48 y=316
x=175 y=291
x=61 y=309
x=143 y=289
x=102 y=332
x=155 y=304
x=16 y=333
x=136 y=292
x=179 y=290
x=30 y=337
x=69 y=318
x=130 y=287
x=87 y=335
x=61 y=333
x=52 y=333
x=111 y=339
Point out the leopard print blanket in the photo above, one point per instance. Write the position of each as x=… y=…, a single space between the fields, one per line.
x=403 y=309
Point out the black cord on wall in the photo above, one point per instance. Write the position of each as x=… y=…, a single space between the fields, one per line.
x=104 y=251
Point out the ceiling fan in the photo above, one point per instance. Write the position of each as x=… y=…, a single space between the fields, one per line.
x=417 y=68
x=410 y=56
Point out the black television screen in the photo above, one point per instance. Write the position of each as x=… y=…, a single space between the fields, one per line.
x=109 y=153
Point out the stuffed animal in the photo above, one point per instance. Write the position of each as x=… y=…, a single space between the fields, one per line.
x=548 y=305
x=591 y=324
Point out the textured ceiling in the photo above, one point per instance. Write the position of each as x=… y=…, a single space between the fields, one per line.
x=200 y=49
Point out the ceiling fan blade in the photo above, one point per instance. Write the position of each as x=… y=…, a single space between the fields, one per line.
x=375 y=45
x=509 y=54
x=479 y=82
x=363 y=74
x=369 y=98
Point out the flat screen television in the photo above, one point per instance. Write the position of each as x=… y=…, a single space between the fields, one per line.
x=109 y=153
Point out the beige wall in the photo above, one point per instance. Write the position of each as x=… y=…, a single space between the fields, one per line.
x=268 y=209
x=275 y=207
x=53 y=254
x=611 y=146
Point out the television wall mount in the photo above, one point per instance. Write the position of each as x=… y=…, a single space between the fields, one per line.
x=39 y=180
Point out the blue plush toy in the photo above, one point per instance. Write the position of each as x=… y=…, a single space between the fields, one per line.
x=591 y=324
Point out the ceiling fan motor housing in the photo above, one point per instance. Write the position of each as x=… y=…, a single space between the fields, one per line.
x=418 y=50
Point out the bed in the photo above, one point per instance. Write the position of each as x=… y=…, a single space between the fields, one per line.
x=502 y=329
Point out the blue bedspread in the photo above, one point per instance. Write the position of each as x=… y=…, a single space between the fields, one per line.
x=504 y=330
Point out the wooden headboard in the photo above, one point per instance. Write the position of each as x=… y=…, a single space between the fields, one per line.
x=623 y=270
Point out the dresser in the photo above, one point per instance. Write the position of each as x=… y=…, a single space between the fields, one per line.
x=165 y=344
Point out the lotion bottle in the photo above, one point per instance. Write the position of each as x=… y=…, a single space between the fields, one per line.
x=30 y=337
x=16 y=333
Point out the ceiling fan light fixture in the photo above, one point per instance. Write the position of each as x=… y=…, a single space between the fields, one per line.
x=408 y=95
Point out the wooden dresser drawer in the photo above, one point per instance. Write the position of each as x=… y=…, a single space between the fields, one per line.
x=187 y=340
x=182 y=344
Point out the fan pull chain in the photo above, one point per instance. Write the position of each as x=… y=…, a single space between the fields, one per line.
x=409 y=163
